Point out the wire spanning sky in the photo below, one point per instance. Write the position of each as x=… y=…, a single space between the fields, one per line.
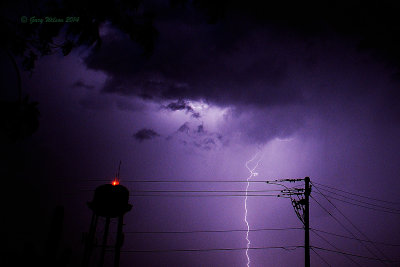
x=187 y=91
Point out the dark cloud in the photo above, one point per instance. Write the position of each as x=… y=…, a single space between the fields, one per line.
x=96 y=102
x=188 y=135
x=275 y=73
x=196 y=115
x=184 y=128
x=179 y=105
x=182 y=105
x=249 y=57
x=126 y=104
x=193 y=61
x=200 y=128
x=199 y=137
x=81 y=84
x=145 y=134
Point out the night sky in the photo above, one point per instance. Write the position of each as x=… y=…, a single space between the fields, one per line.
x=191 y=91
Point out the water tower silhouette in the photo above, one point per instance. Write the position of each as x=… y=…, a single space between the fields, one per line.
x=109 y=201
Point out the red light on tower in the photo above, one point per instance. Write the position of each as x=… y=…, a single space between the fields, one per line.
x=116 y=179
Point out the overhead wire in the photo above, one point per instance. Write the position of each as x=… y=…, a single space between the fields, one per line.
x=355 y=227
x=197 y=196
x=179 y=181
x=355 y=255
x=196 y=191
x=360 y=201
x=319 y=256
x=332 y=245
x=200 y=193
x=160 y=194
x=344 y=227
x=213 y=231
x=349 y=237
x=364 y=202
x=287 y=248
x=393 y=211
x=350 y=193
x=290 y=192
x=203 y=195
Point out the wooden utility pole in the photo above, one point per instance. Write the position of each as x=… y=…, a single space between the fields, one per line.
x=307 y=192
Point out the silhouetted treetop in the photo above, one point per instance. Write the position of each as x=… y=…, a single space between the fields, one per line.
x=31 y=40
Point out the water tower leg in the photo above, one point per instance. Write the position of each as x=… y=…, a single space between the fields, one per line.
x=103 y=246
x=89 y=241
x=118 y=244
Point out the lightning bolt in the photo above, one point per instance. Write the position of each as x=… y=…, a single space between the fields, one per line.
x=252 y=173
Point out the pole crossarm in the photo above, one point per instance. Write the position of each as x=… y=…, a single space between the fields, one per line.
x=291 y=180
x=300 y=198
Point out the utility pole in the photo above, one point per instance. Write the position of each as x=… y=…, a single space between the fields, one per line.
x=307 y=192
x=301 y=207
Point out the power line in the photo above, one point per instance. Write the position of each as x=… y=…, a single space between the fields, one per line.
x=204 y=195
x=196 y=191
x=365 y=236
x=182 y=193
x=319 y=256
x=288 y=248
x=166 y=192
x=332 y=245
x=344 y=227
x=165 y=179
x=205 y=191
x=364 y=202
x=213 y=231
x=376 y=199
x=393 y=211
x=179 y=181
x=349 y=237
x=197 y=195
x=354 y=255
